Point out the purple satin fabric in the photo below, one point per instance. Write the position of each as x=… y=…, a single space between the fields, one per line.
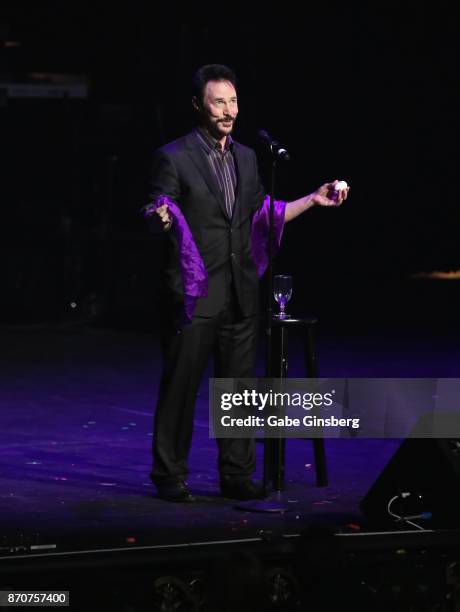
x=259 y=232
x=193 y=270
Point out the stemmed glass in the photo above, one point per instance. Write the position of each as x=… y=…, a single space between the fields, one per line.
x=282 y=292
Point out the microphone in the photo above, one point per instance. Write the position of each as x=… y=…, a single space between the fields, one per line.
x=274 y=146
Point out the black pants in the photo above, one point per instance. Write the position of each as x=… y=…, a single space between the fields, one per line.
x=232 y=339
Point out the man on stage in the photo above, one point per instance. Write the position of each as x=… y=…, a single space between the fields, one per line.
x=208 y=197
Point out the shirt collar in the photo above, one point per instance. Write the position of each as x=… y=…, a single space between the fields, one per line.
x=210 y=143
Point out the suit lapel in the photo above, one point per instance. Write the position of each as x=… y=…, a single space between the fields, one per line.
x=198 y=157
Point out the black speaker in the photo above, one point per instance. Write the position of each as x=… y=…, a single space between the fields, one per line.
x=422 y=478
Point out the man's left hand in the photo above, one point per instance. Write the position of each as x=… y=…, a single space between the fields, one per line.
x=326 y=195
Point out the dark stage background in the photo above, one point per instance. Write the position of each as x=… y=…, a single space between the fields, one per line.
x=369 y=95
x=87 y=92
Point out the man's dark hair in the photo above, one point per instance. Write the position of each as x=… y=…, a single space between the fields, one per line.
x=211 y=72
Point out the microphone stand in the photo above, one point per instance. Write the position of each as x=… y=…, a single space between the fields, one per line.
x=274 y=504
x=271 y=221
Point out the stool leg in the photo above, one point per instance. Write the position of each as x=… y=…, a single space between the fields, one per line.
x=319 y=449
x=279 y=448
x=267 y=465
x=320 y=462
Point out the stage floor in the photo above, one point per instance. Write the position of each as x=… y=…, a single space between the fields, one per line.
x=76 y=411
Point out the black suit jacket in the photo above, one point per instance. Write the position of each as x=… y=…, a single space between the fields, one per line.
x=181 y=171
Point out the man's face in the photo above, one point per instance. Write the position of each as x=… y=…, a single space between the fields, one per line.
x=220 y=108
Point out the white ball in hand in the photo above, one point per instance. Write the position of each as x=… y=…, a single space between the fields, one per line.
x=341 y=185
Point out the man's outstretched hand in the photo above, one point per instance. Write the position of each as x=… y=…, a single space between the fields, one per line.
x=326 y=195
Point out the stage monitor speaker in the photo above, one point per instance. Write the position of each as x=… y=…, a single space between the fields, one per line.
x=422 y=480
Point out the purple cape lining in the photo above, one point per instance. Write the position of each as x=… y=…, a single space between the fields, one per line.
x=193 y=270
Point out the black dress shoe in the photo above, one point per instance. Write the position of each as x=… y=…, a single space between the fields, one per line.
x=175 y=492
x=241 y=489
